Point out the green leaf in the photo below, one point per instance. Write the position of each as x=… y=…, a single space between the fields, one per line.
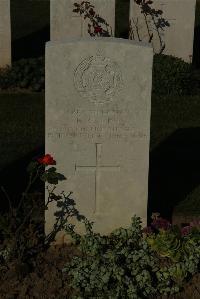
x=51 y=169
x=61 y=177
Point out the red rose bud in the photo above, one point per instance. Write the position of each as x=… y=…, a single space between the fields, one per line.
x=98 y=29
x=47 y=160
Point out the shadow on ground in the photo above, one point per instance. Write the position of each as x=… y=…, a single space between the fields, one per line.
x=174 y=170
x=14 y=178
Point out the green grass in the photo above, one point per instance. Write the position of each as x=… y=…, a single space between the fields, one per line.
x=22 y=132
x=21 y=125
x=168 y=114
x=191 y=205
x=22 y=121
x=171 y=113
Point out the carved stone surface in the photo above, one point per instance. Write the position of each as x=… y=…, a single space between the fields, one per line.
x=65 y=23
x=178 y=37
x=98 y=101
x=5 y=33
x=98 y=78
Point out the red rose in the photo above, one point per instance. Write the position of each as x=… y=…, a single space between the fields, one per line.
x=47 y=160
x=97 y=29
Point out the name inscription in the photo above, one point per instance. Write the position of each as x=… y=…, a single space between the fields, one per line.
x=94 y=124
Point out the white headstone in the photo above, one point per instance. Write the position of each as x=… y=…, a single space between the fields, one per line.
x=65 y=23
x=98 y=101
x=5 y=33
x=178 y=37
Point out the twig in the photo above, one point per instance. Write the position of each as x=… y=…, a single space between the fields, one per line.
x=7 y=196
x=31 y=182
x=25 y=218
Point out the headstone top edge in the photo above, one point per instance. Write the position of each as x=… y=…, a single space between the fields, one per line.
x=101 y=39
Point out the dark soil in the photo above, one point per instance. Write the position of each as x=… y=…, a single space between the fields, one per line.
x=45 y=282
x=48 y=282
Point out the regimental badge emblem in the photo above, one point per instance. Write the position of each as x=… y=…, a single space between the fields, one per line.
x=98 y=79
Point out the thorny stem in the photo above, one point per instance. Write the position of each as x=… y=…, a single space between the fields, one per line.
x=197 y=289
x=8 y=198
x=131 y=32
x=30 y=183
x=137 y=30
x=151 y=13
x=162 y=46
x=93 y=18
x=24 y=221
x=49 y=194
x=57 y=227
x=150 y=35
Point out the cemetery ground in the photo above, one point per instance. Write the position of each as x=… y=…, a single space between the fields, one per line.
x=173 y=174
x=22 y=135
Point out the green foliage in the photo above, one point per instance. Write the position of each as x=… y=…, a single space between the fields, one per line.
x=171 y=244
x=22 y=236
x=131 y=264
x=97 y=25
x=51 y=176
x=119 y=266
x=179 y=253
x=25 y=73
x=155 y=17
x=173 y=76
x=166 y=244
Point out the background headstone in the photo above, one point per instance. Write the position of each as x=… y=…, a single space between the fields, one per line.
x=5 y=33
x=98 y=100
x=30 y=23
x=178 y=37
x=65 y=23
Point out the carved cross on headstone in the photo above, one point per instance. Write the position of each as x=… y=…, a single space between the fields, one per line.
x=97 y=168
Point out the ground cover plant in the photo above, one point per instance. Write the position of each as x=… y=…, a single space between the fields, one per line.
x=173 y=76
x=24 y=74
x=34 y=271
x=135 y=263
x=23 y=246
x=130 y=263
